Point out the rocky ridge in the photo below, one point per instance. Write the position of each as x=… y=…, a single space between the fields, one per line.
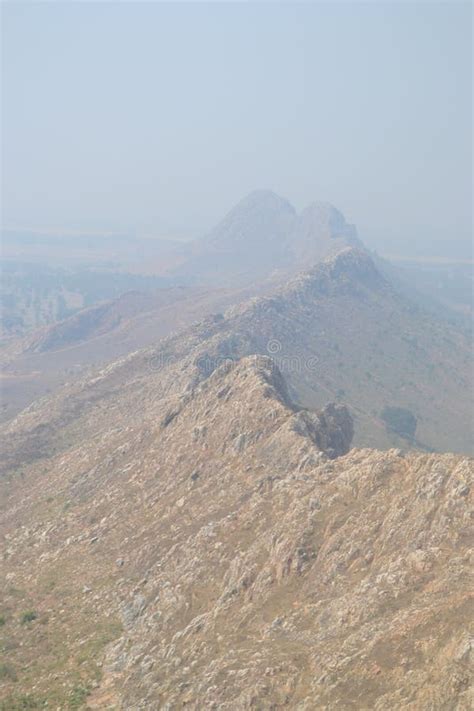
x=211 y=550
x=339 y=332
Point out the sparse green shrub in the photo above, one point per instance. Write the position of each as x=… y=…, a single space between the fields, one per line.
x=78 y=697
x=3 y=620
x=7 y=672
x=25 y=702
x=400 y=420
x=28 y=616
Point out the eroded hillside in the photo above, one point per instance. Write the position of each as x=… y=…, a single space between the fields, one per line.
x=340 y=332
x=210 y=549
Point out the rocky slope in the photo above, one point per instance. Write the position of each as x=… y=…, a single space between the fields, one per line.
x=41 y=362
x=348 y=336
x=95 y=321
x=175 y=540
x=339 y=332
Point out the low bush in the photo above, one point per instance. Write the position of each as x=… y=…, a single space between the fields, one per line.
x=400 y=420
x=28 y=616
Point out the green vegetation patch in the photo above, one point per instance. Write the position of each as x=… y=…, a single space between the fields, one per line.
x=23 y=702
x=7 y=672
x=78 y=696
x=28 y=616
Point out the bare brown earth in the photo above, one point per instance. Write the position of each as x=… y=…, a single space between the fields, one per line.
x=190 y=540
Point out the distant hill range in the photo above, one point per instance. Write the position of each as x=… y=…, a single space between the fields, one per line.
x=371 y=340
x=47 y=357
x=260 y=243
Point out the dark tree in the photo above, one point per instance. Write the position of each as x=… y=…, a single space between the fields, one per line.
x=400 y=420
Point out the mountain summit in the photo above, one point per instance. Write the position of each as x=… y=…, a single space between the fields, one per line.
x=264 y=236
x=261 y=219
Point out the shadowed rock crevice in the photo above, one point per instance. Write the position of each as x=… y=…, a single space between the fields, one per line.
x=331 y=429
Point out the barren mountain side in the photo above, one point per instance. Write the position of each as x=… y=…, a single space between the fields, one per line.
x=340 y=332
x=223 y=551
x=123 y=315
x=102 y=318
x=40 y=363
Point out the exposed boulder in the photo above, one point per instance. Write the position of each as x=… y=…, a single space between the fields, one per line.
x=331 y=429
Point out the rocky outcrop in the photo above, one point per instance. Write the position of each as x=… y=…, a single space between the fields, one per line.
x=331 y=429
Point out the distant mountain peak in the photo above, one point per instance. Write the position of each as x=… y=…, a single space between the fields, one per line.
x=324 y=212
x=260 y=221
x=263 y=236
x=264 y=198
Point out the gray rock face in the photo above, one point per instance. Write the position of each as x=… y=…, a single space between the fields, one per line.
x=331 y=429
x=132 y=610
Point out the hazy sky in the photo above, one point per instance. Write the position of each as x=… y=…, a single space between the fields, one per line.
x=158 y=117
